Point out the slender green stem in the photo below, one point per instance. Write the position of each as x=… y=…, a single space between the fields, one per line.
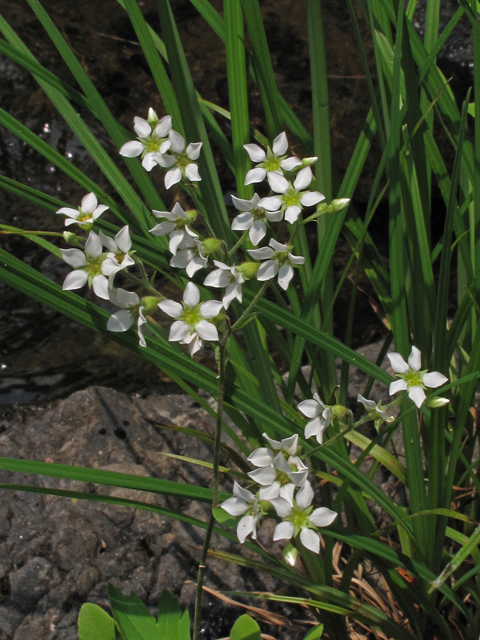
x=257 y=297
x=215 y=492
x=32 y=233
x=146 y=284
x=239 y=243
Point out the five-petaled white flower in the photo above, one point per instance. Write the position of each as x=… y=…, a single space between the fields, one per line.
x=118 y=257
x=192 y=319
x=252 y=217
x=88 y=267
x=375 y=411
x=86 y=214
x=182 y=163
x=243 y=503
x=292 y=198
x=131 y=311
x=412 y=379
x=299 y=518
x=229 y=278
x=275 y=469
x=152 y=139
x=273 y=160
x=279 y=260
x=320 y=417
x=176 y=226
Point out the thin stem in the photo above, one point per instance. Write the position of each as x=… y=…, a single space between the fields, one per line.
x=32 y=233
x=259 y=294
x=147 y=285
x=215 y=491
x=239 y=243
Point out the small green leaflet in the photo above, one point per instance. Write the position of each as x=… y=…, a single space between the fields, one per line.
x=95 y=624
x=245 y=628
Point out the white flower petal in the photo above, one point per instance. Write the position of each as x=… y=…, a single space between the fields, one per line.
x=89 y=203
x=255 y=175
x=93 y=245
x=142 y=127
x=242 y=493
x=417 y=394
x=290 y=163
x=171 y=308
x=264 y=253
x=177 y=141
x=283 y=531
x=434 y=379
x=122 y=298
x=191 y=295
x=210 y=309
x=281 y=506
x=192 y=173
x=245 y=527
x=234 y=506
x=311 y=198
x=149 y=161
x=257 y=232
x=396 y=386
x=287 y=491
x=123 y=240
x=256 y=153
x=310 y=408
x=120 y=321
x=68 y=211
x=178 y=331
x=368 y=404
x=267 y=270
x=315 y=427
x=277 y=246
x=305 y=496
x=277 y=183
x=245 y=205
x=193 y=150
x=163 y=228
x=243 y=221
x=292 y=212
x=303 y=179
x=285 y=274
x=100 y=286
x=163 y=126
x=131 y=149
x=74 y=257
x=173 y=176
x=280 y=144
x=217 y=278
x=310 y=540
x=263 y=475
x=397 y=363
x=322 y=517
x=75 y=280
x=415 y=359
x=206 y=330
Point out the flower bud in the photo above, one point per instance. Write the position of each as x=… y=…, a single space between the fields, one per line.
x=306 y=162
x=211 y=245
x=152 y=118
x=191 y=215
x=337 y=205
x=436 y=403
x=290 y=554
x=248 y=269
x=72 y=239
x=149 y=304
x=339 y=411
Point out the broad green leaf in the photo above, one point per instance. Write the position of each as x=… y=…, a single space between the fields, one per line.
x=245 y=628
x=171 y=623
x=95 y=624
x=132 y=617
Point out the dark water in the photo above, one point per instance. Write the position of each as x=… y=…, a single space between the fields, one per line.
x=44 y=355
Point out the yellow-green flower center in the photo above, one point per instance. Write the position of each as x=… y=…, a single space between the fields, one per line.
x=152 y=144
x=413 y=378
x=191 y=316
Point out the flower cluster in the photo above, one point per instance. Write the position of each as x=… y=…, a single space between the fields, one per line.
x=284 y=485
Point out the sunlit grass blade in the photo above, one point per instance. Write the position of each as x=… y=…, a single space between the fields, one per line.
x=237 y=93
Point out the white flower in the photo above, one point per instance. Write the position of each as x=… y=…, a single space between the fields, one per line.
x=117 y=256
x=320 y=417
x=274 y=160
x=292 y=198
x=243 y=503
x=278 y=260
x=412 y=379
x=181 y=164
x=375 y=411
x=88 y=267
x=152 y=139
x=276 y=470
x=253 y=218
x=192 y=259
x=300 y=519
x=192 y=319
x=288 y=445
x=86 y=213
x=229 y=278
x=176 y=226
x=131 y=310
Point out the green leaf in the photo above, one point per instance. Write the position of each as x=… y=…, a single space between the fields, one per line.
x=95 y=624
x=170 y=622
x=224 y=518
x=132 y=617
x=315 y=633
x=245 y=628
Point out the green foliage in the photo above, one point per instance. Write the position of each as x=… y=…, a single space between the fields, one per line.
x=95 y=624
x=245 y=628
